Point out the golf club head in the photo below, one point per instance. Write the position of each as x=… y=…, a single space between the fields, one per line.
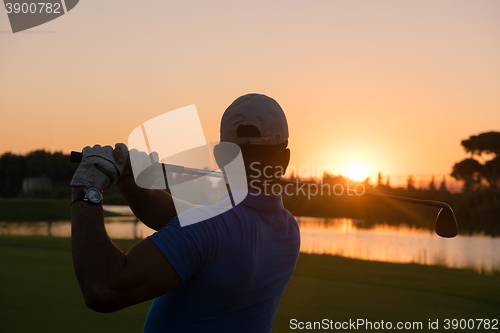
x=446 y=223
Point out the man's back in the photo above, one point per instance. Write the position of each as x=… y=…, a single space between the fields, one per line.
x=234 y=268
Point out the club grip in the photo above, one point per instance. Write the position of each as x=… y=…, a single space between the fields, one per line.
x=75 y=157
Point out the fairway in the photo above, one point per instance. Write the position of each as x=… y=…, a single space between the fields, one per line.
x=39 y=292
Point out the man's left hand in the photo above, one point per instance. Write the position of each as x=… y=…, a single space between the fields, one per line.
x=98 y=167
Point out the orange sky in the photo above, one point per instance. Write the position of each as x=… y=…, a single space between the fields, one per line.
x=391 y=84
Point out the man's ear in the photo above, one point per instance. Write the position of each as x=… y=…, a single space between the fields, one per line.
x=284 y=160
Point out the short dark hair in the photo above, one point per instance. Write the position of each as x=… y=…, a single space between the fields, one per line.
x=255 y=157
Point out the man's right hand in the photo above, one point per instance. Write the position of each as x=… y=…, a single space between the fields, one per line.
x=120 y=159
x=153 y=207
x=142 y=168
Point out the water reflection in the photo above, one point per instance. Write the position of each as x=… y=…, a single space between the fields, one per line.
x=341 y=237
x=118 y=227
x=398 y=244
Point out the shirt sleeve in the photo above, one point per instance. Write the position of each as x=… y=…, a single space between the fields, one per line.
x=186 y=248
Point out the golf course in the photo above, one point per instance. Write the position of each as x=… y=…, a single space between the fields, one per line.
x=298 y=166
x=39 y=292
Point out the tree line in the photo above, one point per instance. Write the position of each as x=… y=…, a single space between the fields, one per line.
x=476 y=175
x=477 y=208
x=40 y=163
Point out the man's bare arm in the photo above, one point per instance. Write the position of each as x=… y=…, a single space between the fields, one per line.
x=109 y=279
x=153 y=207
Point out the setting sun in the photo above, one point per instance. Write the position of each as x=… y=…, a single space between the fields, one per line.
x=357 y=171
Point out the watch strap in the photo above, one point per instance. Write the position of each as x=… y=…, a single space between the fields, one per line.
x=80 y=195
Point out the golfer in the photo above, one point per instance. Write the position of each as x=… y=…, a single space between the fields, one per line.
x=223 y=274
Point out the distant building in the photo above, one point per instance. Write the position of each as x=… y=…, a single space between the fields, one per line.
x=31 y=183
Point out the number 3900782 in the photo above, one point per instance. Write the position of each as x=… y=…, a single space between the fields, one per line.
x=33 y=8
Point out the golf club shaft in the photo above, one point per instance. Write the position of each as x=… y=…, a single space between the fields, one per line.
x=76 y=157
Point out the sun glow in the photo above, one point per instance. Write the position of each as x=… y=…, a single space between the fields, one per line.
x=357 y=171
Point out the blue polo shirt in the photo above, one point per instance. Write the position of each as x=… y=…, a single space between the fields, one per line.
x=234 y=269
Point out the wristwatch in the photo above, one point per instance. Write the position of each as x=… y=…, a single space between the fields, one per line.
x=91 y=195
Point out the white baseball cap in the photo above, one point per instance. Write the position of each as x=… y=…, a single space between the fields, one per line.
x=257 y=110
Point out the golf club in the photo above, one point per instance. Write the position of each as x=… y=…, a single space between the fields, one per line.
x=446 y=223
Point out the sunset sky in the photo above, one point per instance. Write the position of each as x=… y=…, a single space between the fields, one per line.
x=394 y=84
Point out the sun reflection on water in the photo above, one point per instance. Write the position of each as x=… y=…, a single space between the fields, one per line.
x=339 y=236
x=397 y=244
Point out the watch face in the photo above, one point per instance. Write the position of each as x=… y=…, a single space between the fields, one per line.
x=94 y=195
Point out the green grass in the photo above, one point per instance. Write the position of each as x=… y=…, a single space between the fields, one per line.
x=34 y=210
x=341 y=289
x=39 y=292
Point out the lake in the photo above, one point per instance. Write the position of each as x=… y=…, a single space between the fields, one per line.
x=334 y=236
